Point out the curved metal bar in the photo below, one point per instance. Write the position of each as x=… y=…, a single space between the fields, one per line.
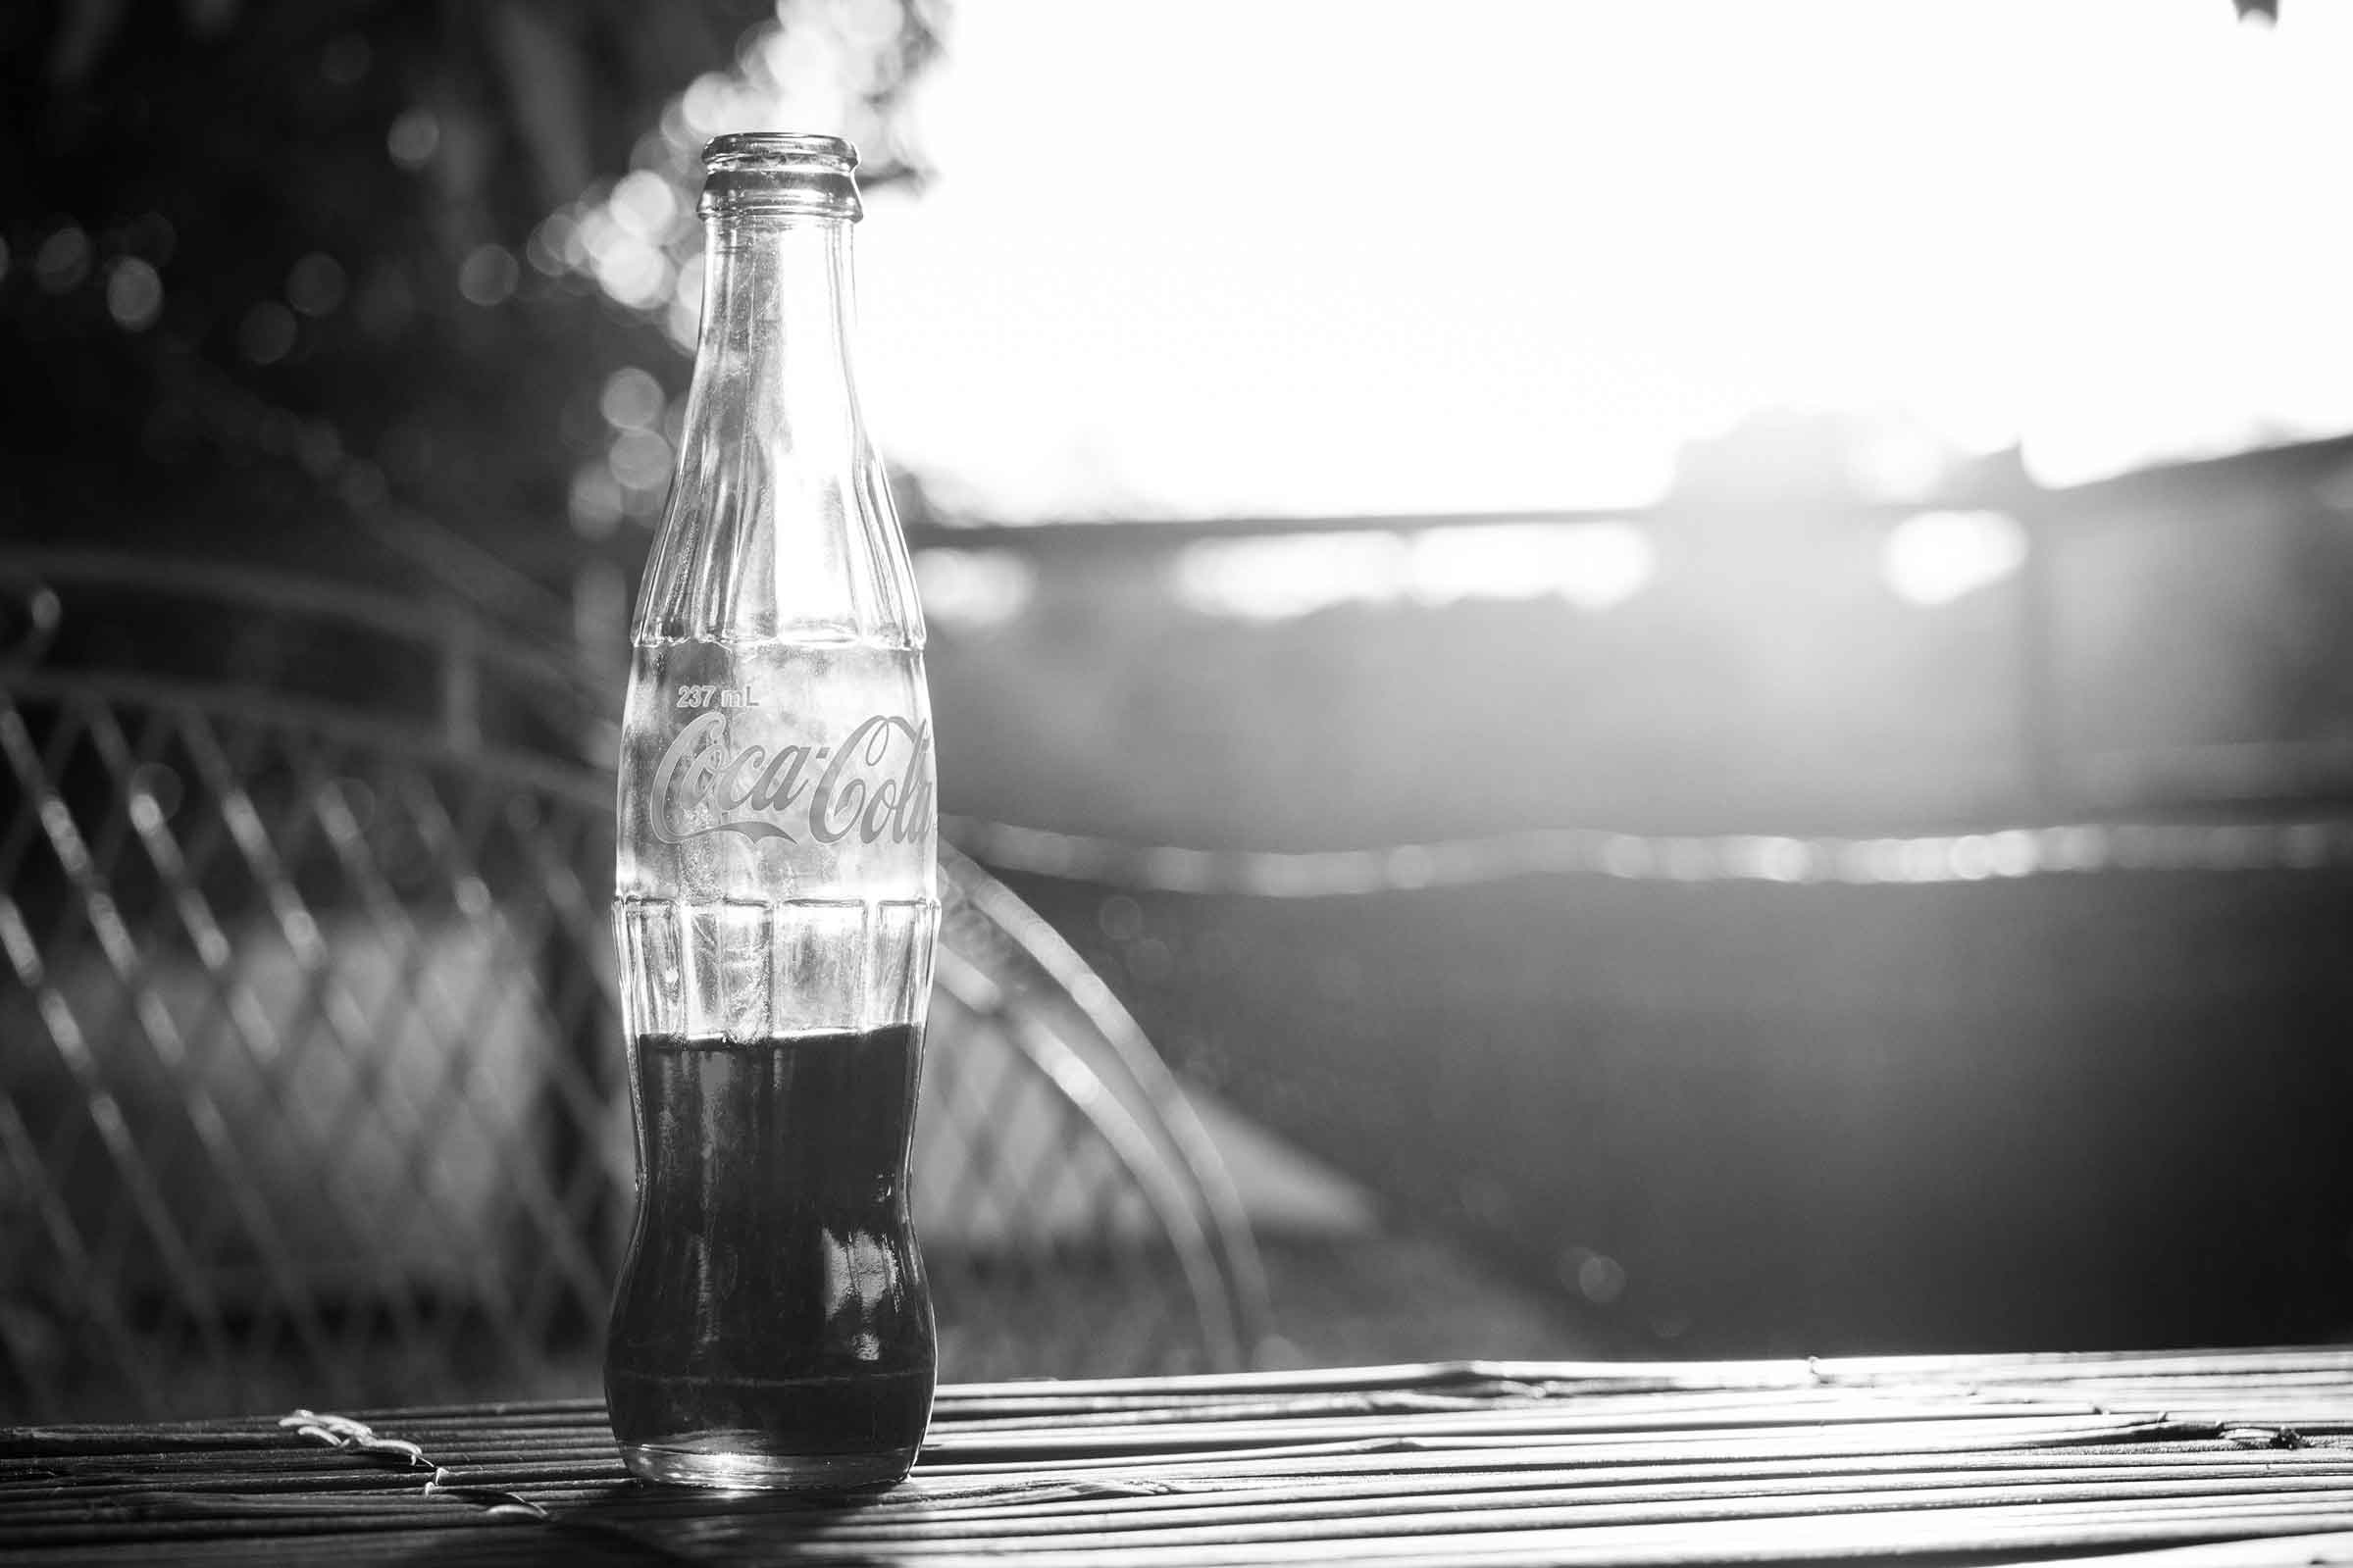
x=276 y=593
x=1148 y=1073
x=1084 y=1090
x=578 y=786
x=1018 y=976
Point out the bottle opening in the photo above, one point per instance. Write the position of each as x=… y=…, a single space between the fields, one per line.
x=777 y=172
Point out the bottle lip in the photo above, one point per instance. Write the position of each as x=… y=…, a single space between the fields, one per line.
x=741 y=147
x=780 y=171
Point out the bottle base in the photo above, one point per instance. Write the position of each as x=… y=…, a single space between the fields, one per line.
x=735 y=1463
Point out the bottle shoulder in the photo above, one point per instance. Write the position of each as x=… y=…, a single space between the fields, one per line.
x=754 y=551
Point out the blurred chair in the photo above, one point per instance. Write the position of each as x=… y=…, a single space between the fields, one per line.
x=310 y=1084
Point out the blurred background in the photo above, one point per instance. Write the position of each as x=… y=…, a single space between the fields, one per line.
x=1691 y=663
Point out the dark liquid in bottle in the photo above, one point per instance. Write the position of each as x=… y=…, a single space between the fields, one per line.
x=772 y=1326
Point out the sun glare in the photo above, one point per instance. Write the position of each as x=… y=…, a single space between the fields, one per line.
x=1937 y=557
x=1592 y=565
x=1515 y=254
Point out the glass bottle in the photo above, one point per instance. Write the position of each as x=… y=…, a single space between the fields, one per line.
x=776 y=898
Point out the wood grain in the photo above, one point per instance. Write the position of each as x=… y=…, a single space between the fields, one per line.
x=2235 y=1459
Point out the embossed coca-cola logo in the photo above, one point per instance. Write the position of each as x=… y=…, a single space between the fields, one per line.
x=876 y=783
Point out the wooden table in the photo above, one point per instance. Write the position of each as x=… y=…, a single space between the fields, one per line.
x=2145 y=1459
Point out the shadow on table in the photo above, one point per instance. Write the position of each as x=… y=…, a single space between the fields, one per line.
x=627 y=1522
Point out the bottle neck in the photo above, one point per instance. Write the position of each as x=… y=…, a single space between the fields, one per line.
x=774 y=362
x=780 y=526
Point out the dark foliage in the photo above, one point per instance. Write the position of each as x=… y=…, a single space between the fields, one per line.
x=267 y=287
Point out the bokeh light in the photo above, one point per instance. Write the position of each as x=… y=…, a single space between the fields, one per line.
x=596 y=504
x=1936 y=557
x=632 y=399
x=488 y=274
x=267 y=333
x=973 y=590
x=641 y=461
x=813 y=69
x=134 y=295
x=1592 y=566
x=63 y=260
x=316 y=285
x=413 y=137
x=345 y=60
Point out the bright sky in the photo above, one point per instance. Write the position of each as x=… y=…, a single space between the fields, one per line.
x=1227 y=256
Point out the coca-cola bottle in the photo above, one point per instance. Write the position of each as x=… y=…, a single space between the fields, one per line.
x=776 y=902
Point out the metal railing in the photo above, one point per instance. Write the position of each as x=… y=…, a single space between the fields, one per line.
x=309 y=1082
